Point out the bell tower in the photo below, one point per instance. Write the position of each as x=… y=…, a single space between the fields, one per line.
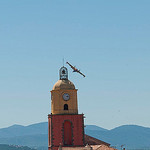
x=65 y=125
x=64 y=95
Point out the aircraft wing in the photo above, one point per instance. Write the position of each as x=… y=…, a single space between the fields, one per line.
x=70 y=65
x=81 y=73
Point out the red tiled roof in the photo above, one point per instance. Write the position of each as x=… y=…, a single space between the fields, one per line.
x=93 y=141
x=103 y=147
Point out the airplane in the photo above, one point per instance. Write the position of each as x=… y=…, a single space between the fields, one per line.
x=75 y=69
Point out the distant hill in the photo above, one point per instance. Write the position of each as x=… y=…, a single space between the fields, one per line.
x=12 y=147
x=35 y=135
x=94 y=127
x=132 y=136
x=36 y=140
x=18 y=130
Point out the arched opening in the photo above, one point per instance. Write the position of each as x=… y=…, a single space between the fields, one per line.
x=67 y=133
x=65 y=107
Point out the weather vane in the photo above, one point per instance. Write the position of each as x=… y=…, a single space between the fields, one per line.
x=75 y=69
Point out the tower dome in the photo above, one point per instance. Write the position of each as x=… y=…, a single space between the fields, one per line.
x=63 y=84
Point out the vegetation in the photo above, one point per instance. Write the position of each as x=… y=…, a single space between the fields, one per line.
x=14 y=147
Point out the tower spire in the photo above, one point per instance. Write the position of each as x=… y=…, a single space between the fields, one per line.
x=63 y=61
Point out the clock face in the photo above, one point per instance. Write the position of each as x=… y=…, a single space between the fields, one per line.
x=66 y=96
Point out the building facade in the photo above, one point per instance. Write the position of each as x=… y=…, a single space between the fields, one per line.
x=65 y=125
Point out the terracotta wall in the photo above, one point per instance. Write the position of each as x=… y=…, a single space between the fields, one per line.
x=56 y=130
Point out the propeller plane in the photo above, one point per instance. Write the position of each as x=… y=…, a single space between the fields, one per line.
x=75 y=69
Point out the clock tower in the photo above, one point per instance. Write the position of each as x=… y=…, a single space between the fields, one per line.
x=65 y=125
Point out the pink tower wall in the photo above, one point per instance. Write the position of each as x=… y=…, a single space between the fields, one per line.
x=56 y=130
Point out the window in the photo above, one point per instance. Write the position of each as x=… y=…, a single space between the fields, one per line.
x=65 y=107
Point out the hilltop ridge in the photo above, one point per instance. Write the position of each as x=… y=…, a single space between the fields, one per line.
x=36 y=135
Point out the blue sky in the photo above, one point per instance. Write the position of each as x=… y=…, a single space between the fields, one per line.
x=108 y=40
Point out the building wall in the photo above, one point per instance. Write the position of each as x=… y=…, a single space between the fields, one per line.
x=57 y=102
x=56 y=131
